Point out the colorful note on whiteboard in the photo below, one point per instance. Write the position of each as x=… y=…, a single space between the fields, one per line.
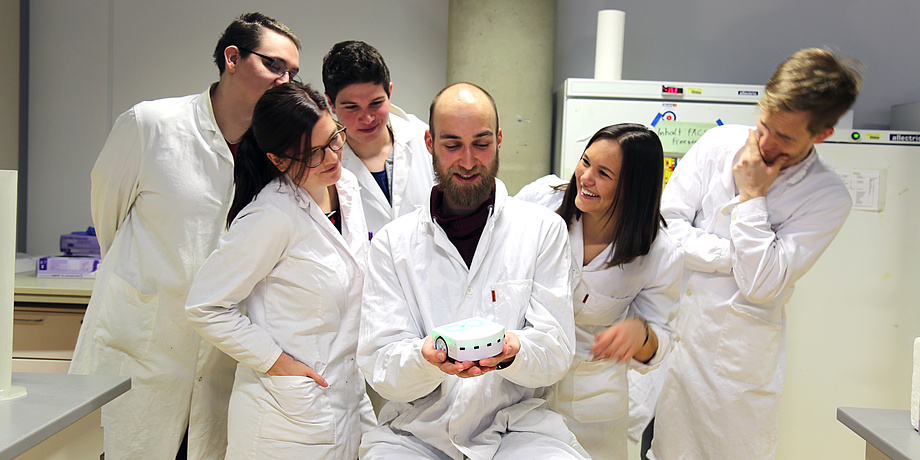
x=678 y=136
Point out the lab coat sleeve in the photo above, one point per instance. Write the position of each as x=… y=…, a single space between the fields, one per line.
x=659 y=300
x=682 y=200
x=542 y=192
x=246 y=254
x=115 y=178
x=391 y=334
x=548 y=336
x=531 y=192
x=766 y=261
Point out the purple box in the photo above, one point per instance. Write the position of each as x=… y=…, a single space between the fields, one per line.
x=79 y=243
x=67 y=267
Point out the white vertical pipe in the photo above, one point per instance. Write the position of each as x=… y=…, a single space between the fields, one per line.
x=7 y=277
x=608 y=53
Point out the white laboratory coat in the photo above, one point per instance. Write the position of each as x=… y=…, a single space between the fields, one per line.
x=160 y=192
x=720 y=395
x=594 y=394
x=412 y=178
x=300 y=281
x=521 y=277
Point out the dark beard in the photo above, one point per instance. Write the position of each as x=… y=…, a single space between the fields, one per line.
x=461 y=195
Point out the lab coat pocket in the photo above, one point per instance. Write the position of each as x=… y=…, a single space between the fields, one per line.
x=509 y=301
x=599 y=391
x=748 y=348
x=299 y=411
x=595 y=309
x=127 y=318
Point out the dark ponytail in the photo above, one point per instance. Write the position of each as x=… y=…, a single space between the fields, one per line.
x=282 y=121
x=251 y=172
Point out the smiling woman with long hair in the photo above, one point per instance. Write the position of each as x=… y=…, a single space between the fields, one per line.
x=630 y=279
x=294 y=256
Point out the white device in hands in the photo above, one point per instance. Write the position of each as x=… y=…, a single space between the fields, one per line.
x=470 y=339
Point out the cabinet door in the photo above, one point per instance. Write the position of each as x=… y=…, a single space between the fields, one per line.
x=41 y=366
x=44 y=338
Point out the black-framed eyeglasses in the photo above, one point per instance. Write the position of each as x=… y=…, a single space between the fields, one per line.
x=275 y=65
x=336 y=143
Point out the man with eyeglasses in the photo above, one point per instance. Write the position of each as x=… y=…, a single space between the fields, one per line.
x=161 y=188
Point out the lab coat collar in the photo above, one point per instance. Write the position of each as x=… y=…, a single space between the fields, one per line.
x=400 y=127
x=204 y=113
x=350 y=160
x=395 y=110
x=429 y=228
x=354 y=224
x=577 y=240
x=354 y=234
x=797 y=172
x=501 y=195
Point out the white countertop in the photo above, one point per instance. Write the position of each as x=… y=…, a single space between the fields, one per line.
x=53 y=402
x=888 y=430
x=29 y=288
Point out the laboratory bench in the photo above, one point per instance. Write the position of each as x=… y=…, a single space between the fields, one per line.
x=887 y=432
x=58 y=418
x=47 y=313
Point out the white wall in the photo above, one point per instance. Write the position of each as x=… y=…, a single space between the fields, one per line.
x=93 y=59
x=68 y=116
x=727 y=41
x=9 y=84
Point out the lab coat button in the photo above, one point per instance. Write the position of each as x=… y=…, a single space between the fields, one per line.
x=457 y=439
x=726 y=211
x=469 y=291
x=688 y=292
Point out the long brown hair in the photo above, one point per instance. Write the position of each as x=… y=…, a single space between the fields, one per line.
x=636 y=205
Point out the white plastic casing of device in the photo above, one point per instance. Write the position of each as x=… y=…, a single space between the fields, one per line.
x=470 y=339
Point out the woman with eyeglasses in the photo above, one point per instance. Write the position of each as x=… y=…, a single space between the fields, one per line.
x=629 y=289
x=282 y=292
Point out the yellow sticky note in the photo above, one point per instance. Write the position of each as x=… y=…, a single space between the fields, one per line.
x=678 y=136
